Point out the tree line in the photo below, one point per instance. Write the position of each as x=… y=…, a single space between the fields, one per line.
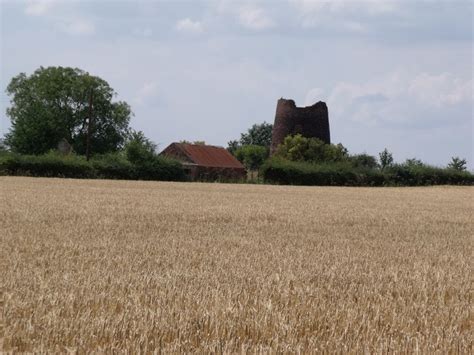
x=68 y=106
x=253 y=149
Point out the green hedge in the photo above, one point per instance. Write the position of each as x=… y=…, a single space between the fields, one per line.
x=160 y=168
x=275 y=170
x=113 y=166
x=427 y=175
x=48 y=165
x=280 y=171
x=110 y=166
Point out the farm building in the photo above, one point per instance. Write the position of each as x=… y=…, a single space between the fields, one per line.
x=206 y=162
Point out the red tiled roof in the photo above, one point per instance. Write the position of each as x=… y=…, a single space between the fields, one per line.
x=208 y=155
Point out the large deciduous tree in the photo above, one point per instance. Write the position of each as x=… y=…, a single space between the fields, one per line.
x=54 y=103
x=258 y=134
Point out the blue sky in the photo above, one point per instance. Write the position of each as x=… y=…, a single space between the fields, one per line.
x=394 y=73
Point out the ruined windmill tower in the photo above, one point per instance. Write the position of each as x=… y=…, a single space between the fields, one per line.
x=311 y=122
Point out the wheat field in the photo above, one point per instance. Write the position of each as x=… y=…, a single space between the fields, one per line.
x=114 y=266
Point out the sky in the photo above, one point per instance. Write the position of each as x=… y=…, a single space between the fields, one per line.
x=395 y=74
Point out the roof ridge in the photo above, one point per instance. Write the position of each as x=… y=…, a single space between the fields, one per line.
x=209 y=155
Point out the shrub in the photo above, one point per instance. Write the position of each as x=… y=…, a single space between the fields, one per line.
x=413 y=162
x=160 y=168
x=252 y=156
x=363 y=161
x=299 y=148
x=139 y=149
x=113 y=166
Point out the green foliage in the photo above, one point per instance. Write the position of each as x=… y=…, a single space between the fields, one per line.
x=386 y=159
x=275 y=170
x=139 y=149
x=184 y=141
x=363 y=161
x=107 y=166
x=3 y=147
x=457 y=164
x=53 y=104
x=47 y=165
x=413 y=162
x=113 y=166
x=252 y=156
x=258 y=134
x=146 y=164
x=299 y=148
x=423 y=175
x=232 y=146
x=281 y=171
x=160 y=168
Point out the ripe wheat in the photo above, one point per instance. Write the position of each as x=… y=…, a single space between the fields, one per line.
x=179 y=267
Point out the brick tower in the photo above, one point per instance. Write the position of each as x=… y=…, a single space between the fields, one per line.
x=311 y=122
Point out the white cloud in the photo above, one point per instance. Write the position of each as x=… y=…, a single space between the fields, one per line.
x=440 y=90
x=254 y=18
x=400 y=99
x=78 y=27
x=189 y=26
x=38 y=7
x=147 y=91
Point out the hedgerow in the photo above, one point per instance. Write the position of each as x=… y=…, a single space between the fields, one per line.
x=280 y=171
x=109 y=166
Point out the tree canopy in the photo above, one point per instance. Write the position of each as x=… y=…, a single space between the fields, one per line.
x=3 y=147
x=457 y=164
x=299 y=148
x=139 y=149
x=252 y=156
x=386 y=159
x=363 y=160
x=258 y=134
x=53 y=104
